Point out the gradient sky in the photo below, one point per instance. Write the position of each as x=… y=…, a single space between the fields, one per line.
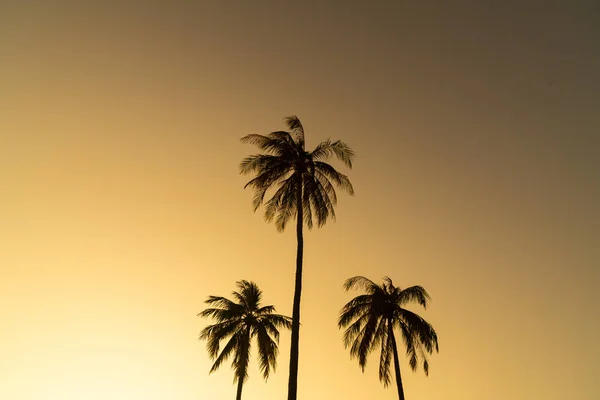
x=477 y=132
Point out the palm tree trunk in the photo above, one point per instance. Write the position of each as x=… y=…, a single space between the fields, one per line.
x=293 y=380
x=238 y=396
x=396 y=362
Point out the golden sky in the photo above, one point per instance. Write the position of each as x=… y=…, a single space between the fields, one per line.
x=121 y=209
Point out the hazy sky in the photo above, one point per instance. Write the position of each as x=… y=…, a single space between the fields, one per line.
x=477 y=131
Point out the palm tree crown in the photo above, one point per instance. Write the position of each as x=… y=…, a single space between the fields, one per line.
x=241 y=321
x=286 y=166
x=370 y=320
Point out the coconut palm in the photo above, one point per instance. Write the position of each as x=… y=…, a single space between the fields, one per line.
x=371 y=319
x=302 y=184
x=241 y=321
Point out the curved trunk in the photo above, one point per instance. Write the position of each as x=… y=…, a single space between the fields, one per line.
x=238 y=396
x=293 y=380
x=396 y=361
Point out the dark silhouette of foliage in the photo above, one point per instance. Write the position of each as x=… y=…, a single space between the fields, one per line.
x=240 y=321
x=370 y=320
x=303 y=188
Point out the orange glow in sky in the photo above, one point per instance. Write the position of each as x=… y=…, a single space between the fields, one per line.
x=121 y=207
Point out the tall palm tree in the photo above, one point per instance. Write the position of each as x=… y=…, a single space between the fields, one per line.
x=371 y=319
x=303 y=188
x=240 y=321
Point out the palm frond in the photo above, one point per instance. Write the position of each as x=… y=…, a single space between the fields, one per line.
x=354 y=329
x=410 y=344
x=265 y=181
x=353 y=309
x=414 y=293
x=258 y=162
x=221 y=302
x=338 y=178
x=364 y=341
x=283 y=202
x=293 y=123
x=267 y=351
x=421 y=329
x=360 y=282
x=265 y=310
x=278 y=320
x=307 y=212
x=339 y=149
x=220 y=314
x=326 y=185
x=231 y=345
x=318 y=201
x=249 y=295
x=386 y=356
x=241 y=356
x=220 y=330
x=276 y=143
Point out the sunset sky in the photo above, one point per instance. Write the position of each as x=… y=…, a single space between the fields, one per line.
x=477 y=132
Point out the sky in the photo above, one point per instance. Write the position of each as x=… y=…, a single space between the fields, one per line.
x=477 y=135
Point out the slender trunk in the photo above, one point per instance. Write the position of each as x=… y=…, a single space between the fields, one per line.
x=238 y=396
x=293 y=380
x=396 y=361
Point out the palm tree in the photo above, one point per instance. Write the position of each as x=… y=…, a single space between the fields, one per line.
x=371 y=319
x=240 y=321
x=303 y=188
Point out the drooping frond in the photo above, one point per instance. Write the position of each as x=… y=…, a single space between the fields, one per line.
x=231 y=345
x=330 y=173
x=277 y=320
x=214 y=334
x=272 y=176
x=409 y=343
x=273 y=322
x=414 y=293
x=363 y=343
x=326 y=186
x=241 y=356
x=354 y=328
x=258 y=162
x=353 y=309
x=317 y=202
x=385 y=357
x=339 y=149
x=267 y=350
x=283 y=202
x=421 y=329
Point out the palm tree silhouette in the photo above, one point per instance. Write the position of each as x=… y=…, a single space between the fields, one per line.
x=371 y=319
x=303 y=185
x=240 y=321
